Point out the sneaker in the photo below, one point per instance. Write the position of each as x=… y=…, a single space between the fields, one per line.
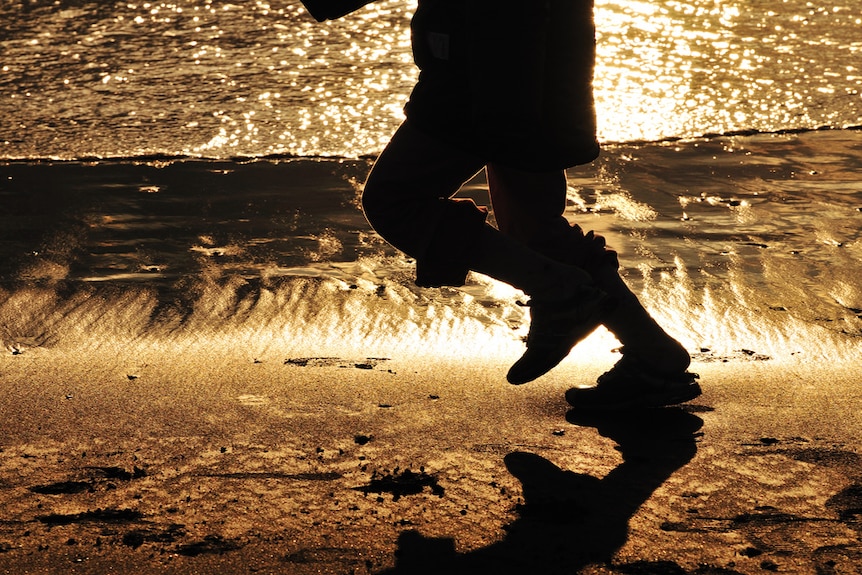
x=630 y=385
x=555 y=328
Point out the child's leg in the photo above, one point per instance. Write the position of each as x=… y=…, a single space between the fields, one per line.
x=406 y=195
x=530 y=207
x=407 y=200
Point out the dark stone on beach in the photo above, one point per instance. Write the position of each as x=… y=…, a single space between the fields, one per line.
x=847 y=503
x=765 y=517
x=404 y=483
x=211 y=544
x=138 y=537
x=97 y=516
x=361 y=439
x=754 y=356
x=370 y=362
x=63 y=488
x=119 y=473
x=133 y=539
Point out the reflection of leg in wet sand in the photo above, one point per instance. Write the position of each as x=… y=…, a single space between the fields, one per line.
x=569 y=520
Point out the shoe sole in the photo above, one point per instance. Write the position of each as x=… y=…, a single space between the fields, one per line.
x=664 y=399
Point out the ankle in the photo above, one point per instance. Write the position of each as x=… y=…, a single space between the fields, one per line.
x=663 y=356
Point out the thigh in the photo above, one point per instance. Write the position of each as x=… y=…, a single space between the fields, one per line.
x=406 y=196
x=415 y=167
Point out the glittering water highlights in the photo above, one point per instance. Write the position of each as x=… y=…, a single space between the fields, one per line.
x=682 y=68
x=199 y=77
x=216 y=79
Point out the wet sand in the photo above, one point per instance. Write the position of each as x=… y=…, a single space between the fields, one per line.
x=215 y=462
x=195 y=379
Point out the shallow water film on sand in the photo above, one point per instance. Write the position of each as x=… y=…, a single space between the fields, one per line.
x=746 y=248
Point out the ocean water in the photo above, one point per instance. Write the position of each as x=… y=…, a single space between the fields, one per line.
x=190 y=170
x=221 y=79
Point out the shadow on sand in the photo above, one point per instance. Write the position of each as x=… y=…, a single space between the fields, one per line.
x=569 y=520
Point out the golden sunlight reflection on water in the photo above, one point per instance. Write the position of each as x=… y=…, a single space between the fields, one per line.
x=220 y=80
x=663 y=70
x=686 y=67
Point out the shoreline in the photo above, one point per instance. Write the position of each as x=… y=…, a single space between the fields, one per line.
x=163 y=158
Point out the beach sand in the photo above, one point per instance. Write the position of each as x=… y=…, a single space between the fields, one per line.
x=165 y=414
x=212 y=462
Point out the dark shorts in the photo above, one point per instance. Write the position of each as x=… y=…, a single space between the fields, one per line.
x=507 y=80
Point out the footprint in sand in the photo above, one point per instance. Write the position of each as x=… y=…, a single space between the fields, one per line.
x=252 y=400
